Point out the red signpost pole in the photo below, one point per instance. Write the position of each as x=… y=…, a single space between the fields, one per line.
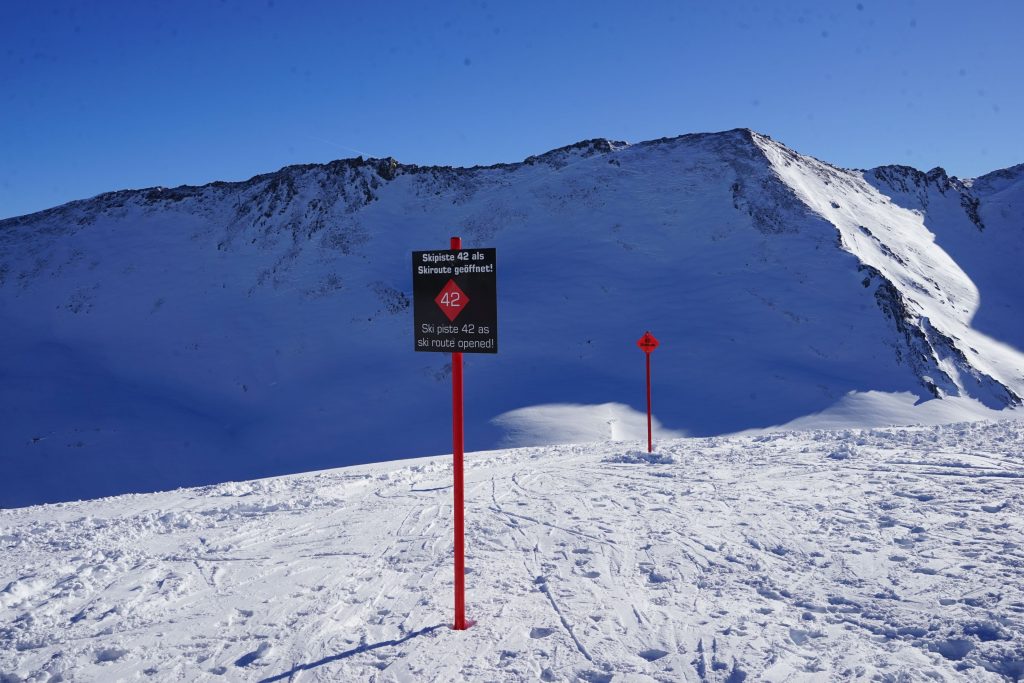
x=438 y=300
x=457 y=453
x=648 y=343
x=650 y=443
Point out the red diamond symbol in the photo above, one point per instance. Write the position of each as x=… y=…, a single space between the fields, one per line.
x=451 y=300
x=647 y=342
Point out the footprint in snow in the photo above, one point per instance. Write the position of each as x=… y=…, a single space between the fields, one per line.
x=923 y=497
x=655 y=577
x=652 y=655
x=953 y=649
x=250 y=657
x=110 y=654
x=541 y=632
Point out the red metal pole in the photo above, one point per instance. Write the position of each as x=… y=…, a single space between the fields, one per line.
x=650 y=444
x=457 y=453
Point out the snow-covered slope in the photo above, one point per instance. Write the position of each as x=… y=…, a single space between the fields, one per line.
x=979 y=224
x=885 y=554
x=191 y=335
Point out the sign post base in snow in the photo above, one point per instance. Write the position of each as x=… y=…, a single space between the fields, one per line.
x=648 y=343
x=455 y=310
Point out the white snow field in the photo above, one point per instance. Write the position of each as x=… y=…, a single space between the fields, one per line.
x=178 y=337
x=878 y=555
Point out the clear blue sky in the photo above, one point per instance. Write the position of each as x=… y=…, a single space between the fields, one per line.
x=105 y=95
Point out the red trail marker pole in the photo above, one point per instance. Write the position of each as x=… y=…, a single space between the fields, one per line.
x=455 y=311
x=457 y=453
x=648 y=343
x=650 y=443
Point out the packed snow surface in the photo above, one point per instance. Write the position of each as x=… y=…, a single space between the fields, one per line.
x=884 y=554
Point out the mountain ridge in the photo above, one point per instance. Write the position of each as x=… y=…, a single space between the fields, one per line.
x=386 y=168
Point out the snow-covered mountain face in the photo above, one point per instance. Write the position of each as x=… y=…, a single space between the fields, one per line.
x=980 y=224
x=181 y=336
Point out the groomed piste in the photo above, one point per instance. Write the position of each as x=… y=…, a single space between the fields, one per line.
x=881 y=554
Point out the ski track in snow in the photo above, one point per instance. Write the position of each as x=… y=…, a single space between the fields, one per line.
x=884 y=554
